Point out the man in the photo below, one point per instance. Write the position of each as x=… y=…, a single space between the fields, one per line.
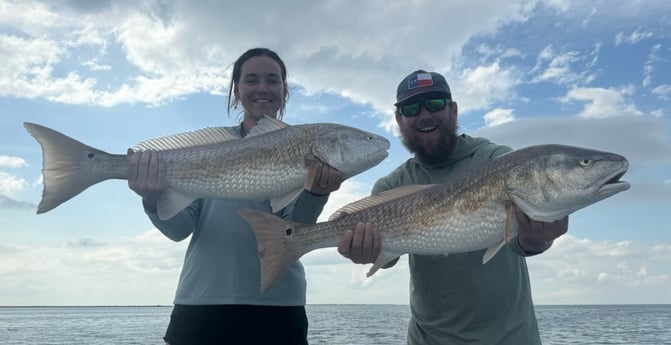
x=455 y=299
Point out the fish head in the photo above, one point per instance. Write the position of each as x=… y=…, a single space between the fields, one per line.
x=348 y=149
x=555 y=180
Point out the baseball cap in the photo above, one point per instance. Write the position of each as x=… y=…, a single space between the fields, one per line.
x=419 y=82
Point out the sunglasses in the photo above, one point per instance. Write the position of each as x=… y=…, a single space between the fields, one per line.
x=413 y=109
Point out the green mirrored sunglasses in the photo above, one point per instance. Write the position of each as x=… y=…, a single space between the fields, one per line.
x=413 y=109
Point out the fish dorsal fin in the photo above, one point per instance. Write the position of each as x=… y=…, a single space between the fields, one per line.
x=200 y=137
x=265 y=125
x=379 y=198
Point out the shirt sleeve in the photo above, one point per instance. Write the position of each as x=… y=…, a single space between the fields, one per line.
x=178 y=227
x=305 y=209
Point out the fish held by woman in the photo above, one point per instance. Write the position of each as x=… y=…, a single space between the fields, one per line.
x=274 y=161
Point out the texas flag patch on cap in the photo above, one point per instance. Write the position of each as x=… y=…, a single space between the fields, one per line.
x=419 y=80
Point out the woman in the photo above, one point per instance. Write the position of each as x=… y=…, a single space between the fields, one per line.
x=217 y=299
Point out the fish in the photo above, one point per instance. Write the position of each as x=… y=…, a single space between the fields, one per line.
x=275 y=162
x=471 y=211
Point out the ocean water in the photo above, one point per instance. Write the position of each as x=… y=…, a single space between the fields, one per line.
x=329 y=324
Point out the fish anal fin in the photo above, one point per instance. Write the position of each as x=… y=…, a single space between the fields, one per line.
x=492 y=250
x=379 y=198
x=171 y=203
x=383 y=259
x=282 y=201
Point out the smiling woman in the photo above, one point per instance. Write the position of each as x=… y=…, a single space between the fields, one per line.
x=218 y=299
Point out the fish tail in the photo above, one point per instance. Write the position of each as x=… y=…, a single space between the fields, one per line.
x=66 y=166
x=273 y=239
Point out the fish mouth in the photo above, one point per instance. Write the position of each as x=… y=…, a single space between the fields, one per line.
x=378 y=156
x=613 y=184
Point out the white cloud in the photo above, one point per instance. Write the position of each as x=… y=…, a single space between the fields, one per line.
x=349 y=191
x=12 y=162
x=663 y=92
x=11 y=185
x=477 y=88
x=499 y=116
x=636 y=36
x=138 y=270
x=603 y=103
x=580 y=270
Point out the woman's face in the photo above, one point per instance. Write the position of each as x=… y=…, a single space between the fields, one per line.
x=260 y=88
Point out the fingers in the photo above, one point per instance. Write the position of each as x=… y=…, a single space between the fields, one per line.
x=146 y=175
x=363 y=245
x=345 y=243
x=327 y=179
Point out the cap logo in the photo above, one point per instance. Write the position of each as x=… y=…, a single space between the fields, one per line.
x=420 y=80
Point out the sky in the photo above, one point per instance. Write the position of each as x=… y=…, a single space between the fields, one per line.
x=113 y=73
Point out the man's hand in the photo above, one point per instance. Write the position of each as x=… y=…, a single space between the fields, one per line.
x=362 y=245
x=535 y=236
x=146 y=175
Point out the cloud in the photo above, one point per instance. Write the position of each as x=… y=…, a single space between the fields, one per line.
x=603 y=103
x=477 y=88
x=636 y=36
x=649 y=65
x=560 y=67
x=136 y=270
x=498 y=116
x=663 y=92
x=8 y=203
x=12 y=162
x=580 y=270
x=11 y=185
x=652 y=144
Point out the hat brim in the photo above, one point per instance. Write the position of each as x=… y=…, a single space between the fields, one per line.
x=423 y=95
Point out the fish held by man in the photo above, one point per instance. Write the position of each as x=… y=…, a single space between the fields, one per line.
x=471 y=212
x=274 y=161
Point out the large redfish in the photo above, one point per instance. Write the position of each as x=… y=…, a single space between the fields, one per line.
x=472 y=211
x=270 y=163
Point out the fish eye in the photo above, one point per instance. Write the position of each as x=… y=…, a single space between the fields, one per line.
x=585 y=162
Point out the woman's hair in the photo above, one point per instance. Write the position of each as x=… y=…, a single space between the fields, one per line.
x=237 y=68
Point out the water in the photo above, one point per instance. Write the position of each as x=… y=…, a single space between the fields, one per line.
x=329 y=324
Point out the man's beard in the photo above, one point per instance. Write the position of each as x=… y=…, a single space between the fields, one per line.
x=436 y=151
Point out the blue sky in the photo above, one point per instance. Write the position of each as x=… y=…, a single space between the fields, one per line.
x=112 y=73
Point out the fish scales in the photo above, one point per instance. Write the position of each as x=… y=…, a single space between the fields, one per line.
x=471 y=211
x=274 y=161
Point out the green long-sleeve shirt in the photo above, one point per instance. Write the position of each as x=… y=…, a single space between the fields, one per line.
x=457 y=299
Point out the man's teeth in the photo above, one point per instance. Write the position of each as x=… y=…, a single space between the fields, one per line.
x=427 y=129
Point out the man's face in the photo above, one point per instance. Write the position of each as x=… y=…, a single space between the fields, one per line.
x=431 y=136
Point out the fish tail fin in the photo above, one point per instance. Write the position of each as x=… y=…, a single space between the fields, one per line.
x=66 y=166
x=273 y=238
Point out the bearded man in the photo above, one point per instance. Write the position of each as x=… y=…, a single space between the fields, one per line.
x=455 y=299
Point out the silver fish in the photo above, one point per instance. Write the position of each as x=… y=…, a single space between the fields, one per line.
x=472 y=211
x=269 y=163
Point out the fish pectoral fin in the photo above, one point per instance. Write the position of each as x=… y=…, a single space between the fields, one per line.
x=492 y=250
x=171 y=202
x=383 y=259
x=282 y=201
